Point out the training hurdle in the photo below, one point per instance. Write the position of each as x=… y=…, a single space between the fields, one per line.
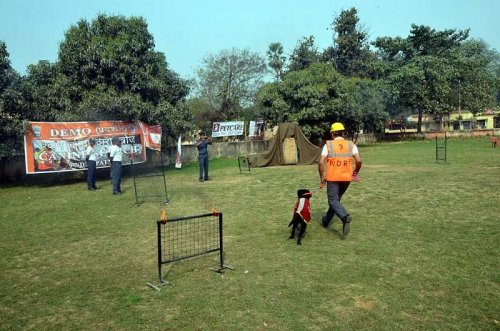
x=150 y=182
x=442 y=150
x=244 y=163
x=185 y=237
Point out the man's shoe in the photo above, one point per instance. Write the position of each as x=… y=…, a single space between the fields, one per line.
x=345 y=224
x=116 y=192
x=324 y=222
x=91 y=189
x=200 y=180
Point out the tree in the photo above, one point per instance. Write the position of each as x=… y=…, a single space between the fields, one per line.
x=276 y=60
x=11 y=123
x=350 y=53
x=304 y=54
x=318 y=96
x=475 y=79
x=203 y=113
x=425 y=71
x=108 y=70
x=229 y=80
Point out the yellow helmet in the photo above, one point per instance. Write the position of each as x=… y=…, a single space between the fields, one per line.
x=337 y=126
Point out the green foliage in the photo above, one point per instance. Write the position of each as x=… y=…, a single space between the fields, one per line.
x=11 y=123
x=350 y=53
x=319 y=95
x=203 y=114
x=436 y=72
x=107 y=69
x=475 y=81
x=276 y=60
x=113 y=57
x=304 y=54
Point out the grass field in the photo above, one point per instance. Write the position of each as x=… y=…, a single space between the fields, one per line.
x=422 y=253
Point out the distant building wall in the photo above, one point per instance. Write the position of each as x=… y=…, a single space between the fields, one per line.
x=459 y=121
x=13 y=169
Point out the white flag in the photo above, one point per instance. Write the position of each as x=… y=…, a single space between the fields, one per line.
x=178 y=159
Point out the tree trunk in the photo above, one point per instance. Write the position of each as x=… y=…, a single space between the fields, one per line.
x=419 y=123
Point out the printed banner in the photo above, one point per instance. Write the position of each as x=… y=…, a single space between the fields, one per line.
x=152 y=134
x=256 y=129
x=225 y=129
x=60 y=146
x=178 y=158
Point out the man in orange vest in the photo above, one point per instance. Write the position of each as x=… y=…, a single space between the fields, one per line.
x=337 y=155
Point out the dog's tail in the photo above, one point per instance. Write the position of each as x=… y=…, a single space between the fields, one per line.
x=290 y=224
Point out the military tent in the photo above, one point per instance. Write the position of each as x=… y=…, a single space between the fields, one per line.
x=289 y=146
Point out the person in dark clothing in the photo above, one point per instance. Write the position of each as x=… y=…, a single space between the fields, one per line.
x=202 y=145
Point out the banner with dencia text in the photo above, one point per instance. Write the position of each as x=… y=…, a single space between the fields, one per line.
x=61 y=146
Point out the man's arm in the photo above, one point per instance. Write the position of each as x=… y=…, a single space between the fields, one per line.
x=109 y=155
x=358 y=162
x=321 y=168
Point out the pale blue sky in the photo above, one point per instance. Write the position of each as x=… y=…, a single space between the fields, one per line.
x=187 y=30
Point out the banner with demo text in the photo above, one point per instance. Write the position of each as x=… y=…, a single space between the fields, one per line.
x=61 y=146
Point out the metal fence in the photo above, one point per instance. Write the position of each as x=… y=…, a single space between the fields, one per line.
x=190 y=236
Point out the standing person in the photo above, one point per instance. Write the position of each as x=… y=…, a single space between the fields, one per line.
x=115 y=156
x=202 y=145
x=337 y=154
x=91 y=165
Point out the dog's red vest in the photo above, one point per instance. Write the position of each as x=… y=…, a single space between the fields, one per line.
x=303 y=208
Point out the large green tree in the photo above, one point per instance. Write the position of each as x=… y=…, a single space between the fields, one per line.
x=318 y=96
x=304 y=54
x=475 y=77
x=11 y=123
x=430 y=70
x=108 y=69
x=351 y=53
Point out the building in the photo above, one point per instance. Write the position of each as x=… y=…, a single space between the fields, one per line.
x=455 y=121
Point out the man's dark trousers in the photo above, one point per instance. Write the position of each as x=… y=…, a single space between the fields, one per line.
x=91 y=170
x=116 y=176
x=203 y=160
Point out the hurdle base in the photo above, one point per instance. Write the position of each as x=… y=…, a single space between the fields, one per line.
x=221 y=270
x=158 y=287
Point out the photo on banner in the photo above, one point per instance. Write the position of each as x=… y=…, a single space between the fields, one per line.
x=256 y=129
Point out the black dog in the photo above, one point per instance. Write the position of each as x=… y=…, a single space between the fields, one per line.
x=301 y=214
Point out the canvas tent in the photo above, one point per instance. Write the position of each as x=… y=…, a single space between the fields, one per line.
x=289 y=146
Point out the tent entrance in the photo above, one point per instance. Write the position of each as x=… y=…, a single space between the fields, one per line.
x=288 y=146
x=290 y=151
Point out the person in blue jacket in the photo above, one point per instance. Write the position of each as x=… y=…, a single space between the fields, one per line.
x=202 y=145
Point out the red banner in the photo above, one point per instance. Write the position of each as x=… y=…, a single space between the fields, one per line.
x=60 y=146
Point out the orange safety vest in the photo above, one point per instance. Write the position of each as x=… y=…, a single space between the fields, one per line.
x=339 y=160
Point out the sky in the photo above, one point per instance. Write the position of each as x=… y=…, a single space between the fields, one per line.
x=186 y=31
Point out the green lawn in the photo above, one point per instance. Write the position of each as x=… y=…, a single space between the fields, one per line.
x=422 y=253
